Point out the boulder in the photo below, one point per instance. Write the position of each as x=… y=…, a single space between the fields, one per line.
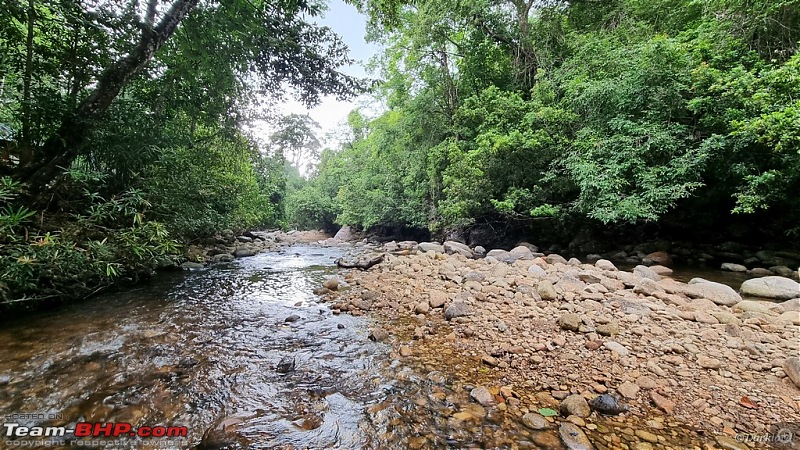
x=774 y=287
x=431 y=247
x=646 y=272
x=482 y=395
x=604 y=264
x=663 y=271
x=286 y=364
x=760 y=272
x=767 y=308
x=792 y=317
x=521 y=252
x=733 y=267
x=344 y=234
x=781 y=271
x=500 y=255
x=792 y=368
x=244 y=252
x=658 y=258
x=331 y=284
x=451 y=247
x=791 y=305
x=718 y=293
x=222 y=257
x=555 y=259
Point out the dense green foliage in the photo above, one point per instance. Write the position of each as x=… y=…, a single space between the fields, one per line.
x=613 y=111
x=122 y=130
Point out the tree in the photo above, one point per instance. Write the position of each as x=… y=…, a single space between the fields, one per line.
x=296 y=141
x=240 y=34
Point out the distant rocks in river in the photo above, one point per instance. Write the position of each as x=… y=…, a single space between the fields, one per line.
x=773 y=287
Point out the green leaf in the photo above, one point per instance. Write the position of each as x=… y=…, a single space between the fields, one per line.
x=547 y=412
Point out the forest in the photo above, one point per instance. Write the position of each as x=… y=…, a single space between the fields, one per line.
x=556 y=118
x=124 y=131
x=126 y=126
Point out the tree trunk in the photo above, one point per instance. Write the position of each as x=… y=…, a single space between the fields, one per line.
x=63 y=147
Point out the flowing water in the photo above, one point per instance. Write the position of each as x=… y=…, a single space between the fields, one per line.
x=200 y=350
x=206 y=350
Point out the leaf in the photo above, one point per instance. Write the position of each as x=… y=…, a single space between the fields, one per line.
x=747 y=403
x=547 y=412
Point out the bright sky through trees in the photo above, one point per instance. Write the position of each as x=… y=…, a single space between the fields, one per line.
x=345 y=21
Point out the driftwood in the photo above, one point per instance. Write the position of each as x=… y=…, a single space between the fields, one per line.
x=363 y=264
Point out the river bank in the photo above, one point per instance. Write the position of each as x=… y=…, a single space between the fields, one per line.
x=695 y=364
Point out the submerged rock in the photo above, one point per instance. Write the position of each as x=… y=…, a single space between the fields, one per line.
x=573 y=437
x=535 y=421
x=331 y=284
x=286 y=364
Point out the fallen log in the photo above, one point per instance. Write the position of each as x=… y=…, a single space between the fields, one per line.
x=360 y=263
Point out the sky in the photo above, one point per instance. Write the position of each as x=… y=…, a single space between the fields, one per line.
x=345 y=21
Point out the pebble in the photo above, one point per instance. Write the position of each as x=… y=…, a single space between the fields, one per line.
x=482 y=395
x=628 y=390
x=574 y=405
x=662 y=402
x=607 y=404
x=647 y=436
x=535 y=421
x=708 y=363
x=646 y=382
x=571 y=322
x=617 y=348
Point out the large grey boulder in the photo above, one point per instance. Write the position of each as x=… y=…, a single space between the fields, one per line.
x=344 y=234
x=431 y=247
x=718 y=293
x=500 y=255
x=778 y=288
x=451 y=247
x=521 y=252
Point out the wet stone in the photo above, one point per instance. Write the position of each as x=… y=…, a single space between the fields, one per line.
x=482 y=395
x=535 y=421
x=286 y=364
x=378 y=335
x=573 y=437
x=607 y=405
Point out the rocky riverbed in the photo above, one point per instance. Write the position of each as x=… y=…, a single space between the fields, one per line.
x=686 y=365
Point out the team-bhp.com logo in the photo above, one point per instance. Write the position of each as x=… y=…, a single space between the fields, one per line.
x=92 y=429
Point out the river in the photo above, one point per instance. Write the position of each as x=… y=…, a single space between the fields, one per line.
x=205 y=349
